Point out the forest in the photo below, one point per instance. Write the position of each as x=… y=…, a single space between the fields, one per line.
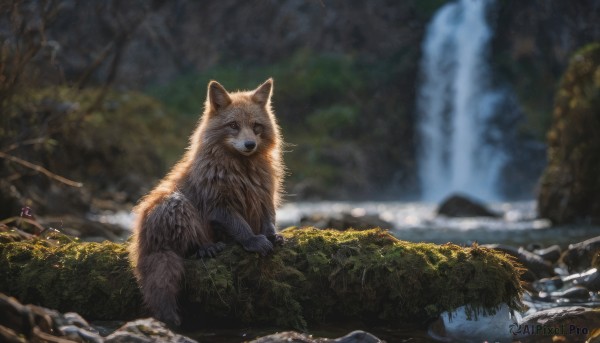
x=80 y=76
x=98 y=100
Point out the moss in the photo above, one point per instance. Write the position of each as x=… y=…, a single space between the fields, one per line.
x=93 y=279
x=570 y=186
x=317 y=276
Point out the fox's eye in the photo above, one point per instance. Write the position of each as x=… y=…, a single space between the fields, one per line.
x=258 y=128
x=234 y=125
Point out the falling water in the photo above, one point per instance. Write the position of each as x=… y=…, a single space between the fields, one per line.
x=456 y=105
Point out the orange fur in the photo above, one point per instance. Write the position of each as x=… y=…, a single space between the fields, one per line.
x=227 y=184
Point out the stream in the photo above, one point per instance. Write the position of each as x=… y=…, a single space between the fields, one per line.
x=417 y=222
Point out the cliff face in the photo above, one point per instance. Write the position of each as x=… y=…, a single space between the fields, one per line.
x=570 y=186
x=532 y=47
x=162 y=39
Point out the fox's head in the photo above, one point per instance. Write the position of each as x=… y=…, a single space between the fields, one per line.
x=242 y=122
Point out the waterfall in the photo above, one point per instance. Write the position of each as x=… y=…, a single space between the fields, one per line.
x=457 y=104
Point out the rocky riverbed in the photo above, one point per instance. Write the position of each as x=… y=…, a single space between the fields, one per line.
x=560 y=277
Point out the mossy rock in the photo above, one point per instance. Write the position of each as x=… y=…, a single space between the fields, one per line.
x=93 y=279
x=317 y=276
x=570 y=186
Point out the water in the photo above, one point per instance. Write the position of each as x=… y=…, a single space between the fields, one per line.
x=418 y=222
x=456 y=104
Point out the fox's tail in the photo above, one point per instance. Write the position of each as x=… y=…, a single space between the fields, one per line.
x=159 y=275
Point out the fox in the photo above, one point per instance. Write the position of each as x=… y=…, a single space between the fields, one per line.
x=225 y=187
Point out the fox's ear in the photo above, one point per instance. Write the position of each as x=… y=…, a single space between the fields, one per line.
x=217 y=95
x=262 y=94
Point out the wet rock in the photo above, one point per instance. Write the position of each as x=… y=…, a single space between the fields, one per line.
x=573 y=293
x=345 y=220
x=580 y=256
x=295 y=337
x=147 y=330
x=562 y=324
x=589 y=279
x=574 y=286
x=458 y=205
x=29 y=323
x=537 y=267
x=548 y=284
x=550 y=254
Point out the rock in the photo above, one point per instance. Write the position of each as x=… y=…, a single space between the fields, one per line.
x=147 y=330
x=29 y=323
x=550 y=254
x=573 y=293
x=579 y=256
x=589 y=279
x=570 y=186
x=569 y=285
x=345 y=220
x=548 y=284
x=562 y=324
x=458 y=205
x=295 y=337
x=537 y=267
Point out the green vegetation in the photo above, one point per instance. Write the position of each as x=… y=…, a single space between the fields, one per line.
x=339 y=114
x=108 y=142
x=570 y=186
x=93 y=279
x=317 y=276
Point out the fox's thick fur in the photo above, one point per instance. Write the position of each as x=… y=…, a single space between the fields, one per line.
x=226 y=185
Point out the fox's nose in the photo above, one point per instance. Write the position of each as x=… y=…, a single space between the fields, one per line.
x=250 y=145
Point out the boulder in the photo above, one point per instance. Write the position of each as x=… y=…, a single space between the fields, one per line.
x=551 y=254
x=580 y=256
x=458 y=205
x=561 y=324
x=537 y=267
x=28 y=323
x=570 y=186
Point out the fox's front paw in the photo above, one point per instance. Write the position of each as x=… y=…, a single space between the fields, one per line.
x=259 y=244
x=210 y=249
x=276 y=239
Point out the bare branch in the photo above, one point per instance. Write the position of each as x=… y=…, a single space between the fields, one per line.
x=41 y=169
x=32 y=141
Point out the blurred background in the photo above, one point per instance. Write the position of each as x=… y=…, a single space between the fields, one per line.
x=378 y=100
